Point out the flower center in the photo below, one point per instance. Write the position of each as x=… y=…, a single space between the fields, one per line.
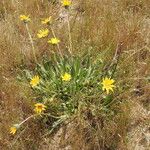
x=40 y=107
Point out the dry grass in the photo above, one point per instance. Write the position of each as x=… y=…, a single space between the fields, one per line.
x=98 y=25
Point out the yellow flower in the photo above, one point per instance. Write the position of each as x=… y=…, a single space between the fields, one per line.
x=66 y=3
x=25 y=18
x=14 y=128
x=108 y=84
x=35 y=81
x=54 y=41
x=47 y=21
x=43 y=33
x=39 y=108
x=66 y=77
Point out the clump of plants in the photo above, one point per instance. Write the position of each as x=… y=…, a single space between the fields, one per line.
x=67 y=86
x=59 y=82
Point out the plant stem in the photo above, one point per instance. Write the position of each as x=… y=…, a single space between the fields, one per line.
x=32 y=43
x=46 y=114
x=69 y=32
x=27 y=119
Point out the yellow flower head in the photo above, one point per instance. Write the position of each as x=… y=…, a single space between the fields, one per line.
x=25 y=18
x=47 y=21
x=35 y=81
x=39 y=108
x=108 y=84
x=66 y=3
x=14 y=128
x=54 y=41
x=66 y=77
x=43 y=33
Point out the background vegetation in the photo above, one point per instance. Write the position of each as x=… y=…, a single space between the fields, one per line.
x=114 y=32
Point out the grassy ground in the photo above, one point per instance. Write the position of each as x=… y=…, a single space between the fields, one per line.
x=110 y=30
